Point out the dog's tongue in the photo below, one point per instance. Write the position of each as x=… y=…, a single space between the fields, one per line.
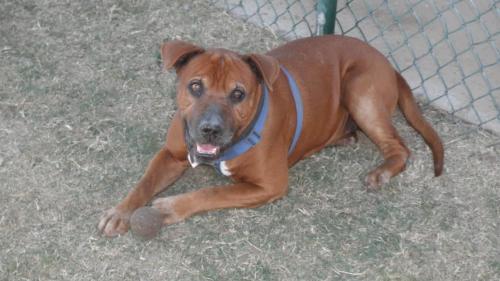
x=206 y=148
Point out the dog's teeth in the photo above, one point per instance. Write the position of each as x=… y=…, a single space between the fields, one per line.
x=206 y=148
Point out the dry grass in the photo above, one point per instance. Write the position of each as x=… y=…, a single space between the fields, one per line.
x=84 y=105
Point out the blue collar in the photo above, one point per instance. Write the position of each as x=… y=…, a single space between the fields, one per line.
x=253 y=134
x=299 y=108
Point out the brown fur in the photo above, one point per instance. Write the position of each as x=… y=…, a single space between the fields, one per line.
x=345 y=85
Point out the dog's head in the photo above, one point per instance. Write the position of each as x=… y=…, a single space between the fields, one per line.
x=218 y=93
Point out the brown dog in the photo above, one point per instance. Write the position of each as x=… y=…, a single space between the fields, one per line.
x=225 y=99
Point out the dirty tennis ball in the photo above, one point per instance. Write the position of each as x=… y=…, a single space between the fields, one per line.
x=146 y=222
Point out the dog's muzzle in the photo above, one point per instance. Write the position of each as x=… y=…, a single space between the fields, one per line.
x=209 y=134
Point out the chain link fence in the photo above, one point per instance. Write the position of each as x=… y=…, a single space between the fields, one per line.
x=448 y=50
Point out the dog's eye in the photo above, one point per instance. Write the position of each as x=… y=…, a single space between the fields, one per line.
x=237 y=95
x=195 y=88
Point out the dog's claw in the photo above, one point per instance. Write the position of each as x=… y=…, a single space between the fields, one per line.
x=114 y=222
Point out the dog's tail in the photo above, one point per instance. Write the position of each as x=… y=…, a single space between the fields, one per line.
x=414 y=117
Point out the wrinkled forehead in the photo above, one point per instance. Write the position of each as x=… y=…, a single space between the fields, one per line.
x=220 y=70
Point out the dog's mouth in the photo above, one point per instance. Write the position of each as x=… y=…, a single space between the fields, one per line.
x=204 y=153
x=207 y=149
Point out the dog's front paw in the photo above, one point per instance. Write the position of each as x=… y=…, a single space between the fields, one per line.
x=167 y=206
x=114 y=222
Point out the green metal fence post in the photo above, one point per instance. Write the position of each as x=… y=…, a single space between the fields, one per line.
x=327 y=10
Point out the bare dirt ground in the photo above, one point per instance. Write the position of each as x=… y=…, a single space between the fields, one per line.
x=84 y=105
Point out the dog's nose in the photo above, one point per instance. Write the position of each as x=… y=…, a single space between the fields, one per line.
x=211 y=130
x=211 y=126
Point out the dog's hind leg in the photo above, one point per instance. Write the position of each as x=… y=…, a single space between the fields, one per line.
x=371 y=106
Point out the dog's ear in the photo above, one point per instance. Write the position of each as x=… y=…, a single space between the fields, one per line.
x=265 y=67
x=176 y=53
